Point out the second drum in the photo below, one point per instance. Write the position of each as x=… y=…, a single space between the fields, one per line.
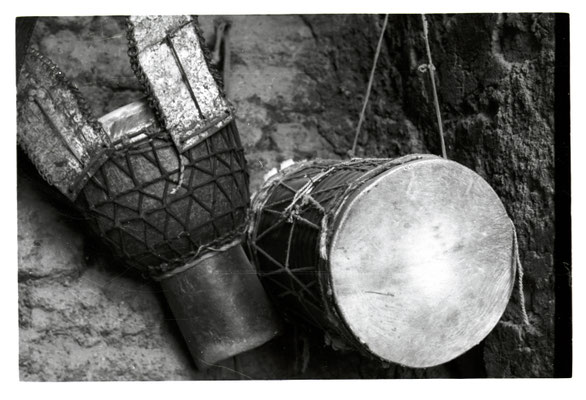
x=410 y=260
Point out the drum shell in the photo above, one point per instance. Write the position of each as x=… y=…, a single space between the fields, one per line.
x=304 y=291
x=188 y=237
x=133 y=201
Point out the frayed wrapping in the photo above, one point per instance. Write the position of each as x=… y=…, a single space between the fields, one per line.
x=323 y=237
x=181 y=173
x=519 y=271
x=202 y=253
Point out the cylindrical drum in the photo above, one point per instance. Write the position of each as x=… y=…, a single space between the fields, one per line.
x=163 y=181
x=188 y=234
x=409 y=259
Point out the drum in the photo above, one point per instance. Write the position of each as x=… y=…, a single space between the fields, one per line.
x=186 y=236
x=165 y=185
x=410 y=260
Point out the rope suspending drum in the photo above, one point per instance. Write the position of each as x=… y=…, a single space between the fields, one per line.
x=352 y=152
x=431 y=68
x=424 y=67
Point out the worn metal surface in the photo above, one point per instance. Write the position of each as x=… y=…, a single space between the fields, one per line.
x=172 y=63
x=410 y=260
x=129 y=124
x=221 y=307
x=54 y=127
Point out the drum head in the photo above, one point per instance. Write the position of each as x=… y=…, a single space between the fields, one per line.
x=422 y=262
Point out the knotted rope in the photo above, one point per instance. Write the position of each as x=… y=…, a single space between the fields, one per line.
x=431 y=68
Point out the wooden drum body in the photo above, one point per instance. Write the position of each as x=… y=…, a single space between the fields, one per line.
x=410 y=260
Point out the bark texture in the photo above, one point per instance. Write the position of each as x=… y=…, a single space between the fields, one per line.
x=298 y=83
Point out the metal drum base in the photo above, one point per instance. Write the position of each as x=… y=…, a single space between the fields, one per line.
x=221 y=307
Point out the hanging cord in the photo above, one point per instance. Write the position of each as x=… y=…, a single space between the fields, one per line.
x=520 y=278
x=352 y=152
x=431 y=68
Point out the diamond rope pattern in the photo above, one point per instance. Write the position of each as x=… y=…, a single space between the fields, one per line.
x=131 y=203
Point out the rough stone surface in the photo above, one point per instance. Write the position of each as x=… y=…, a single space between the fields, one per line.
x=298 y=83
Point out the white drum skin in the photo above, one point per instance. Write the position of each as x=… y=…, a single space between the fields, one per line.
x=422 y=262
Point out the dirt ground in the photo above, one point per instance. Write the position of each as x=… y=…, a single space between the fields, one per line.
x=298 y=83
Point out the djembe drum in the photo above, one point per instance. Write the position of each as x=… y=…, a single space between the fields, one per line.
x=163 y=181
x=410 y=259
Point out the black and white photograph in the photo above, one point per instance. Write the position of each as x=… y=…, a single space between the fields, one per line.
x=318 y=196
